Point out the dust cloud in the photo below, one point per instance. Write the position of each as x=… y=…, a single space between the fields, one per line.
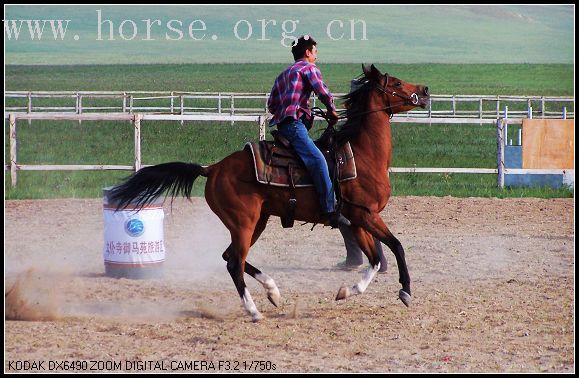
x=47 y=281
x=194 y=250
x=31 y=296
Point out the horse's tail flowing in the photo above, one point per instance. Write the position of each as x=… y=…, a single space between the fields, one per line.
x=145 y=185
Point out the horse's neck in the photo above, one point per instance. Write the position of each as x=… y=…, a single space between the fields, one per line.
x=375 y=141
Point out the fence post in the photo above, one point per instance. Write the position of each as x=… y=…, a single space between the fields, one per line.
x=181 y=105
x=501 y=152
x=261 y=119
x=232 y=109
x=564 y=112
x=124 y=102
x=29 y=106
x=480 y=109
x=79 y=107
x=137 y=125
x=542 y=106
x=13 y=149
x=506 y=126
x=172 y=108
x=219 y=102
x=453 y=105
x=530 y=110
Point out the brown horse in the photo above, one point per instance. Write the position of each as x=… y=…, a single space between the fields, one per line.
x=244 y=205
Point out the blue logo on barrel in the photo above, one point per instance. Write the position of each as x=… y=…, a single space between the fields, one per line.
x=134 y=227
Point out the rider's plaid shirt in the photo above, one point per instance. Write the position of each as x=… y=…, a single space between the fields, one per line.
x=292 y=89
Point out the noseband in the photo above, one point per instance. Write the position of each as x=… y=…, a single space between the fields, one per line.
x=408 y=100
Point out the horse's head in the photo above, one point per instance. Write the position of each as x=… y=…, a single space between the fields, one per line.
x=399 y=96
x=377 y=94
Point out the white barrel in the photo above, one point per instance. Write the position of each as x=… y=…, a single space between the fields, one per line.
x=134 y=244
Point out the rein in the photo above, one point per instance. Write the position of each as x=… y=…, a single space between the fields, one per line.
x=408 y=100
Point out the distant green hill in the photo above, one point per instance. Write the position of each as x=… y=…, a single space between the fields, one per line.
x=257 y=34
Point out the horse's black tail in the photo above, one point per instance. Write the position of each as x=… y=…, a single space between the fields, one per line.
x=145 y=185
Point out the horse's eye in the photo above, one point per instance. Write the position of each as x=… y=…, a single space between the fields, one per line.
x=398 y=84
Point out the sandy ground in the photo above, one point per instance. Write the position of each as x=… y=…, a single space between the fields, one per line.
x=493 y=291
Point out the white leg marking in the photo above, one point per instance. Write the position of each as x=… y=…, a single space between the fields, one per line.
x=361 y=286
x=269 y=285
x=250 y=306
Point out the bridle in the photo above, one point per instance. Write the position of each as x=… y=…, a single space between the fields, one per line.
x=407 y=100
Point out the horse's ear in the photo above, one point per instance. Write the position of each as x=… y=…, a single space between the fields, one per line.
x=371 y=72
x=376 y=70
x=366 y=70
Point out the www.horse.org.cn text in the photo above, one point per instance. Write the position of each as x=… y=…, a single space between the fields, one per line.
x=177 y=30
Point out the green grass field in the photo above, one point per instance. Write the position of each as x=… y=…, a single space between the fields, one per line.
x=68 y=142
x=479 y=79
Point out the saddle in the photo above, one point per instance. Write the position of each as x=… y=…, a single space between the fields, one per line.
x=276 y=163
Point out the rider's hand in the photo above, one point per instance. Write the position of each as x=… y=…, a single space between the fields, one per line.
x=332 y=117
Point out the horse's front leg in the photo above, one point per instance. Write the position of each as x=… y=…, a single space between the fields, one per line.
x=235 y=267
x=367 y=245
x=375 y=225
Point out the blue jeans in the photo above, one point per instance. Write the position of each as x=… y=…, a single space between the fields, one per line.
x=295 y=131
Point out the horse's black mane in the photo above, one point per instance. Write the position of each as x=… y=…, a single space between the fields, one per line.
x=356 y=103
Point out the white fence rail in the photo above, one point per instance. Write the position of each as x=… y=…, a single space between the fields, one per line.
x=231 y=103
x=137 y=118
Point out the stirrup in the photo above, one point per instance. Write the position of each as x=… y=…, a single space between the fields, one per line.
x=335 y=220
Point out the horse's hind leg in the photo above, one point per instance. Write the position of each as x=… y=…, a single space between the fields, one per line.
x=367 y=245
x=267 y=282
x=236 y=255
x=240 y=218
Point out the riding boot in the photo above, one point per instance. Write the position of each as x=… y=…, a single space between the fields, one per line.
x=334 y=219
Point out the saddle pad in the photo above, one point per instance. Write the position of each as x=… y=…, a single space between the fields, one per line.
x=272 y=164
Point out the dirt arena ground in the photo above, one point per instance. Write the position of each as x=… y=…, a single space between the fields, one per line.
x=493 y=291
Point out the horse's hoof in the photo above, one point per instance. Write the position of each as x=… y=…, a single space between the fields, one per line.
x=256 y=317
x=274 y=299
x=343 y=293
x=404 y=297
